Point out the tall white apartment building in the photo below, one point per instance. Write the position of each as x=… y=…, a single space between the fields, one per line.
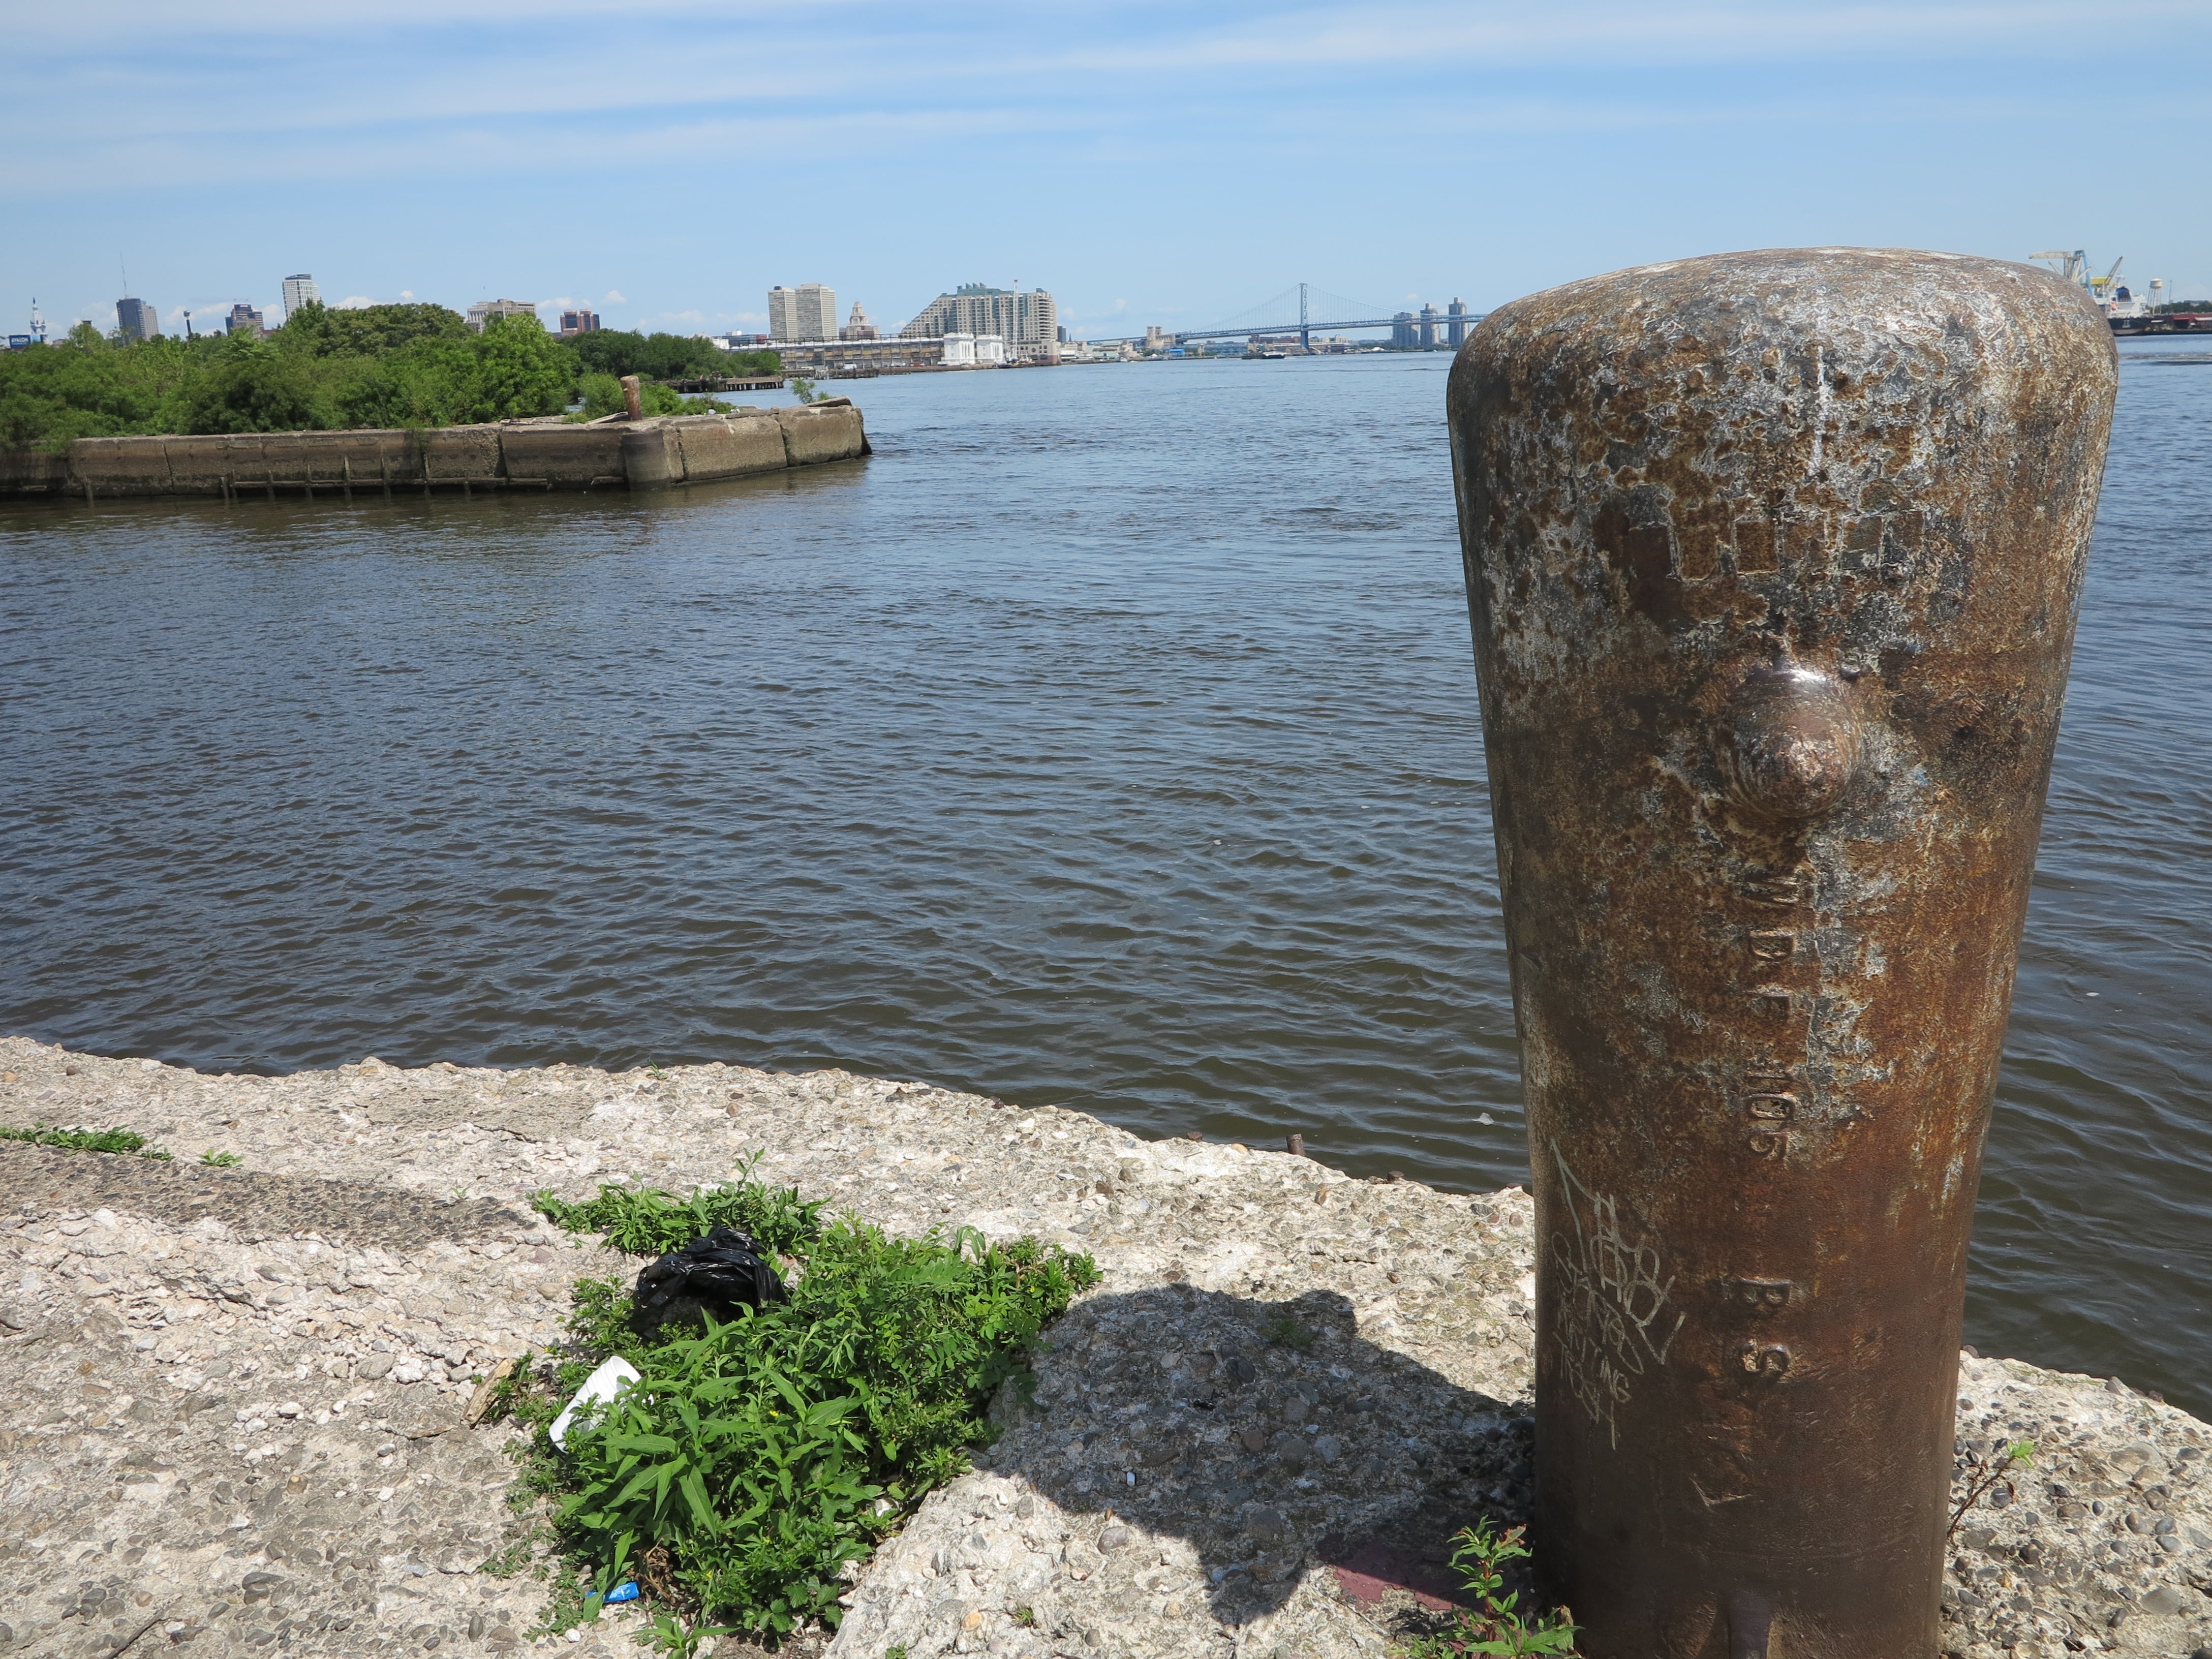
x=1029 y=322
x=301 y=291
x=808 y=312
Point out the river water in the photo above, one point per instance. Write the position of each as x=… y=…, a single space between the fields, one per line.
x=1109 y=739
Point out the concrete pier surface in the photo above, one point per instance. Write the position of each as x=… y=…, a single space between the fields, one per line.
x=235 y=1397
x=653 y=452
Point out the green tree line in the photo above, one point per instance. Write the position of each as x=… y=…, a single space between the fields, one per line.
x=378 y=366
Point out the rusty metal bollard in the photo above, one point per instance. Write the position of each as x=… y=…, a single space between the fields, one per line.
x=1773 y=560
x=633 y=408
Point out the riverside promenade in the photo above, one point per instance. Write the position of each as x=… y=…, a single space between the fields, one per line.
x=237 y=1397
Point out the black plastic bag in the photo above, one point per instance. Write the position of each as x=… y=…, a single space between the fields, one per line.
x=715 y=1274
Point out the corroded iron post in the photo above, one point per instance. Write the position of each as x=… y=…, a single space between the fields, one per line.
x=1773 y=560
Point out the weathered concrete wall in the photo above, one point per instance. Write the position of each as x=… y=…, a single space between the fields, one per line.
x=25 y=471
x=564 y=458
x=823 y=432
x=519 y=455
x=728 y=449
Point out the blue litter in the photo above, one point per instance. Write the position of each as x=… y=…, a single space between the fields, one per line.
x=622 y=1593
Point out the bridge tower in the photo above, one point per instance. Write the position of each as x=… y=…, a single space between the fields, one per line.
x=1305 y=334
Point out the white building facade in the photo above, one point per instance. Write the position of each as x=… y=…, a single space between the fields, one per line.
x=301 y=291
x=1026 y=323
x=965 y=350
x=484 y=310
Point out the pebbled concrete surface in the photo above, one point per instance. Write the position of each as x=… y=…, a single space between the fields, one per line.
x=232 y=1402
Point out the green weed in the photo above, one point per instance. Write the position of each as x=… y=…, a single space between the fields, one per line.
x=642 y=1221
x=216 y=1160
x=757 y=1461
x=1498 y=1626
x=89 y=1140
x=1983 y=1475
x=1288 y=1333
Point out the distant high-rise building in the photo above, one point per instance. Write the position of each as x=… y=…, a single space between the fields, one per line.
x=484 y=310
x=578 y=322
x=1157 y=338
x=301 y=291
x=1456 y=323
x=1029 y=322
x=1403 y=333
x=1429 y=319
x=135 y=320
x=808 y=312
x=245 y=319
x=857 y=327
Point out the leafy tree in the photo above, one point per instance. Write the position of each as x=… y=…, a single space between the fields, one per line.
x=258 y=389
x=387 y=365
x=615 y=351
x=318 y=331
x=87 y=388
x=520 y=370
x=603 y=396
x=666 y=356
x=410 y=389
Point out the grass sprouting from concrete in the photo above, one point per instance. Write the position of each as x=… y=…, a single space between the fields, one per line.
x=128 y=1141
x=757 y=1463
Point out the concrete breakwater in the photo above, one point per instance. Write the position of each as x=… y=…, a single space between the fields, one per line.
x=237 y=1416
x=538 y=454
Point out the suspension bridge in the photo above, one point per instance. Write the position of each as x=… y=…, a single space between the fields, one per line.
x=1304 y=310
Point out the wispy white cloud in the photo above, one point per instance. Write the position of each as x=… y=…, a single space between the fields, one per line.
x=791 y=79
x=894 y=127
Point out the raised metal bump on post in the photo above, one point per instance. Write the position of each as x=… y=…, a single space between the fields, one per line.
x=1773 y=560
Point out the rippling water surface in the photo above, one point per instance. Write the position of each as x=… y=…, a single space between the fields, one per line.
x=1110 y=739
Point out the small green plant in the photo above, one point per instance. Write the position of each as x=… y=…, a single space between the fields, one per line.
x=1498 y=1626
x=89 y=1140
x=755 y=1461
x=897 y=1650
x=803 y=390
x=1984 y=1475
x=1288 y=1333
x=215 y=1160
x=1025 y=1617
x=642 y=1221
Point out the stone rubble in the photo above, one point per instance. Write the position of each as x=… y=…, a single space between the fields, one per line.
x=236 y=1399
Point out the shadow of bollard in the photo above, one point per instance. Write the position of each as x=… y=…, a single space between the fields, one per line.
x=1188 y=1463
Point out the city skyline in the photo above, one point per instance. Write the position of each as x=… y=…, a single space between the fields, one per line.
x=1170 y=165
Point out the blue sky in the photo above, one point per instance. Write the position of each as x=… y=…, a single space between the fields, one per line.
x=1178 y=164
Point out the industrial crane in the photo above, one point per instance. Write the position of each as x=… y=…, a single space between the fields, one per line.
x=2074 y=268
